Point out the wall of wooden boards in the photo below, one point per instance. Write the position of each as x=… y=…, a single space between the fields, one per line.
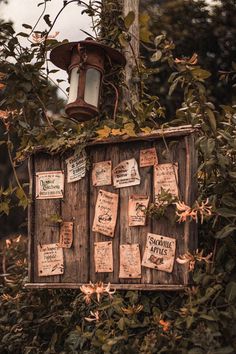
x=78 y=205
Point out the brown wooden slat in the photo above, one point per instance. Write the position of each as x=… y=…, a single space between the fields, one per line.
x=74 y=208
x=99 y=154
x=147 y=287
x=45 y=231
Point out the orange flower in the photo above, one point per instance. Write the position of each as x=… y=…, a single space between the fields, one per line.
x=131 y=310
x=39 y=38
x=95 y=317
x=98 y=289
x=189 y=61
x=2 y=86
x=165 y=325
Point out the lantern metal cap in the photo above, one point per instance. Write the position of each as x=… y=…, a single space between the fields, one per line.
x=61 y=55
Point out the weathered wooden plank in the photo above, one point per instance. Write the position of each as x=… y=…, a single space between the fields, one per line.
x=100 y=154
x=31 y=219
x=75 y=209
x=167 y=226
x=45 y=230
x=147 y=287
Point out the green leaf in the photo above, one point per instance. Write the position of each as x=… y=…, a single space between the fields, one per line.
x=212 y=119
x=27 y=26
x=226 y=231
x=47 y=20
x=129 y=19
x=230 y=292
x=200 y=73
x=22 y=34
x=156 y=56
x=227 y=213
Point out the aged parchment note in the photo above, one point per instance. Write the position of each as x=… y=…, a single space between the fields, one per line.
x=148 y=157
x=50 y=260
x=49 y=184
x=166 y=177
x=76 y=167
x=101 y=174
x=103 y=257
x=137 y=209
x=130 y=261
x=66 y=234
x=126 y=174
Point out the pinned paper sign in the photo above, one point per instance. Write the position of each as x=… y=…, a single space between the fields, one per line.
x=101 y=174
x=66 y=234
x=159 y=253
x=105 y=213
x=126 y=174
x=166 y=177
x=50 y=260
x=49 y=184
x=137 y=209
x=148 y=157
x=130 y=262
x=103 y=257
x=76 y=167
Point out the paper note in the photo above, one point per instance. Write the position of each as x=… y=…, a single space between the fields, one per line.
x=130 y=262
x=101 y=174
x=159 y=252
x=49 y=184
x=166 y=177
x=148 y=157
x=105 y=213
x=50 y=260
x=66 y=234
x=103 y=257
x=137 y=209
x=76 y=167
x=126 y=174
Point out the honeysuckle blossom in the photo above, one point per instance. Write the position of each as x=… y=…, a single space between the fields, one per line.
x=94 y=316
x=201 y=210
x=39 y=38
x=190 y=61
x=98 y=289
x=192 y=258
x=165 y=325
x=131 y=310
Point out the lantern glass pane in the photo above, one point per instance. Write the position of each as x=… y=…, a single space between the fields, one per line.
x=74 y=81
x=92 y=86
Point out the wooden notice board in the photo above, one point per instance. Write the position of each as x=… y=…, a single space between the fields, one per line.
x=76 y=207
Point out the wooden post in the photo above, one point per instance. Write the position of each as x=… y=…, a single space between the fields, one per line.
x=132 y=51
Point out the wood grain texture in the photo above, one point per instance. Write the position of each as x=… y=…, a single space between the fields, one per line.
x=45 y=231
x=78 y=205
x=74 y=208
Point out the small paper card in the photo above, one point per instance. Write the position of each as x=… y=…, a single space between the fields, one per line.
x=130 y=263
x=50 y=260
x=105 y=213
x=101 y=174
x=159 y=252
x=49 y=184
x=103 y=257
x=66 y=234
x=148 y=157
x=76 y=167
x=137 y=209
x=166 y=177
x=126 y=174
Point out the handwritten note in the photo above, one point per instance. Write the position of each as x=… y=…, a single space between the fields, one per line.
x=66 y=234
x=76 y=167
x=126 y=174
x=101 y=174
x=49 y=184
x=50 y=260
x=103 y=257
x=166 y=177
x=137 y=209
x=159 y=252
x=130 y=262
x=105 y=213
x=148 y=157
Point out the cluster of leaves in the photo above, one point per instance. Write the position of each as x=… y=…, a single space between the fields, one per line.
x=201 y=320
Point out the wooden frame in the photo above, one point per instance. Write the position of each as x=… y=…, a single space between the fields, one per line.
x=78 y=206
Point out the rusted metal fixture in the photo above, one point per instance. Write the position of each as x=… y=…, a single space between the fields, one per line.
x=85 y=62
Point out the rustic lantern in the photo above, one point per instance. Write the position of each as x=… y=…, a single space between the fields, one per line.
x=85 y=62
